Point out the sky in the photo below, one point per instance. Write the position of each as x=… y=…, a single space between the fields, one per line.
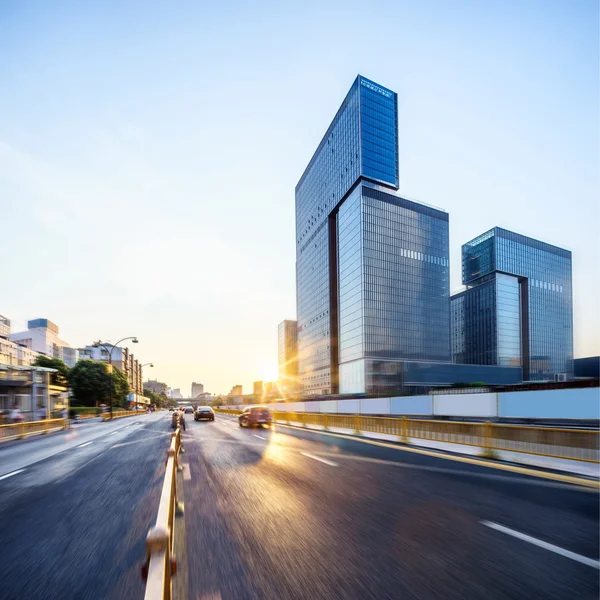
x=149 y=153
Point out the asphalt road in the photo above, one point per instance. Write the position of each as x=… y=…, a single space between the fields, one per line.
x=75 y=509
x=286 y=514
x=350 y=520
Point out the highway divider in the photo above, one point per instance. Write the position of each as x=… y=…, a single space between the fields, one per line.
x=559 y=443
x=17 y=431
x=161 y=565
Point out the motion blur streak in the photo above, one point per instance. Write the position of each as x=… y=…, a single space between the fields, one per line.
x=264 y=521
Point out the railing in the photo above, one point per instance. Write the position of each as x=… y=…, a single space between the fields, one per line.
x=24 y=429
x=118 y=414
x=228 y=411
x=570 y=444
x=160 y=564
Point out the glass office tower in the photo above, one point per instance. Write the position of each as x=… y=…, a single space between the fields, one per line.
x=372 y=268
x=518 y=303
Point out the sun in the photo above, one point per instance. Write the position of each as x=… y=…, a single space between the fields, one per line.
x=269 y=373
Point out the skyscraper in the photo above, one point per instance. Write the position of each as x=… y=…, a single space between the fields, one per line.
x=287 y=355
x=518 y=308
x=372 y=268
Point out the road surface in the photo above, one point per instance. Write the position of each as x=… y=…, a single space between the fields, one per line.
x=287 y=514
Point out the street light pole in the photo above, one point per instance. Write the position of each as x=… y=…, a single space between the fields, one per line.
x=113 y=346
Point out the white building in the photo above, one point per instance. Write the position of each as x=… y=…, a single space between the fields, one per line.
x=42 y=336
x=13 y=353
x=197 y=389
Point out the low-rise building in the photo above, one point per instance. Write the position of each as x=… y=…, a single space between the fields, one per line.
x=125 y=361
x=156 y=386
x=14 y=353
x=31 y=389
x=42 y=336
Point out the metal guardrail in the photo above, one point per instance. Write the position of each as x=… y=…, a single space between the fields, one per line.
x=570 y=444
x=118 y=414
x=160 y=564
x=15 y=431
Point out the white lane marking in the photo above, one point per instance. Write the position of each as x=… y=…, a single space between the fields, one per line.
x=187 y=475
x=545 y=545
x=86 y=444
x=11 y=474
x=260 y=437
x=113 y=433
x=326 y=462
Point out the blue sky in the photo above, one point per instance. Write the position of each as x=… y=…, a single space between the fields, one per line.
x=149 y=153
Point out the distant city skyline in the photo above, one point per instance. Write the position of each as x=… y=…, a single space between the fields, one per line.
x=151 y=193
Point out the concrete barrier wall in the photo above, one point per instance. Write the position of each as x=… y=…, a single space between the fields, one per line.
x=375 y=406
x=465 y=405
x=583 y=403
x=411 y=405
x=351 y=407
x=328 y=406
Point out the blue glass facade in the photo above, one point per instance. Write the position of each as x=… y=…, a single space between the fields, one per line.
x=361 y=143
x=372 y=268
x=486 y=323
x=532 y=294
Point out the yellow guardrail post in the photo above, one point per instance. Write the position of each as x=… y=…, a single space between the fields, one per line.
x=303 y=419
x=403 y=431
x=325 y=421
x=487 y=441
x=357 y=424
x=161 y=565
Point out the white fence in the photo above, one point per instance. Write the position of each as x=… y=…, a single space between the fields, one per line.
x=579 y=403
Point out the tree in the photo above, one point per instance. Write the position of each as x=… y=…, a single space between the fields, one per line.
x=120 y=388
x=90 y=382
x=218 y=401
x=159 y=400
x=48 y=362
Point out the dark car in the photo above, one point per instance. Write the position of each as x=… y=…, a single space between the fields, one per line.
x=204 y=412
x=189 y=410
x=255 y=415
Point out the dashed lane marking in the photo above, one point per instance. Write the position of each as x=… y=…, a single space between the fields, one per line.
x=84 y=445
x=323 y=460
x=260 y=437
x=11 y=474
x=584 y=560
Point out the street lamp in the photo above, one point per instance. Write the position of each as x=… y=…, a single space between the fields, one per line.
x=134 y=340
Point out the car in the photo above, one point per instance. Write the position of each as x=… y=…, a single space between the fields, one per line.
x=189 y=410
x=170 y=409
x=255 y=415
x=204 y=412
x=175 y=419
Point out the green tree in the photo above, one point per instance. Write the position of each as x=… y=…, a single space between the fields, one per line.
x=160 y=400
x=90 y=382
x=49 y=362
x=218 y=401
x=120 y=388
